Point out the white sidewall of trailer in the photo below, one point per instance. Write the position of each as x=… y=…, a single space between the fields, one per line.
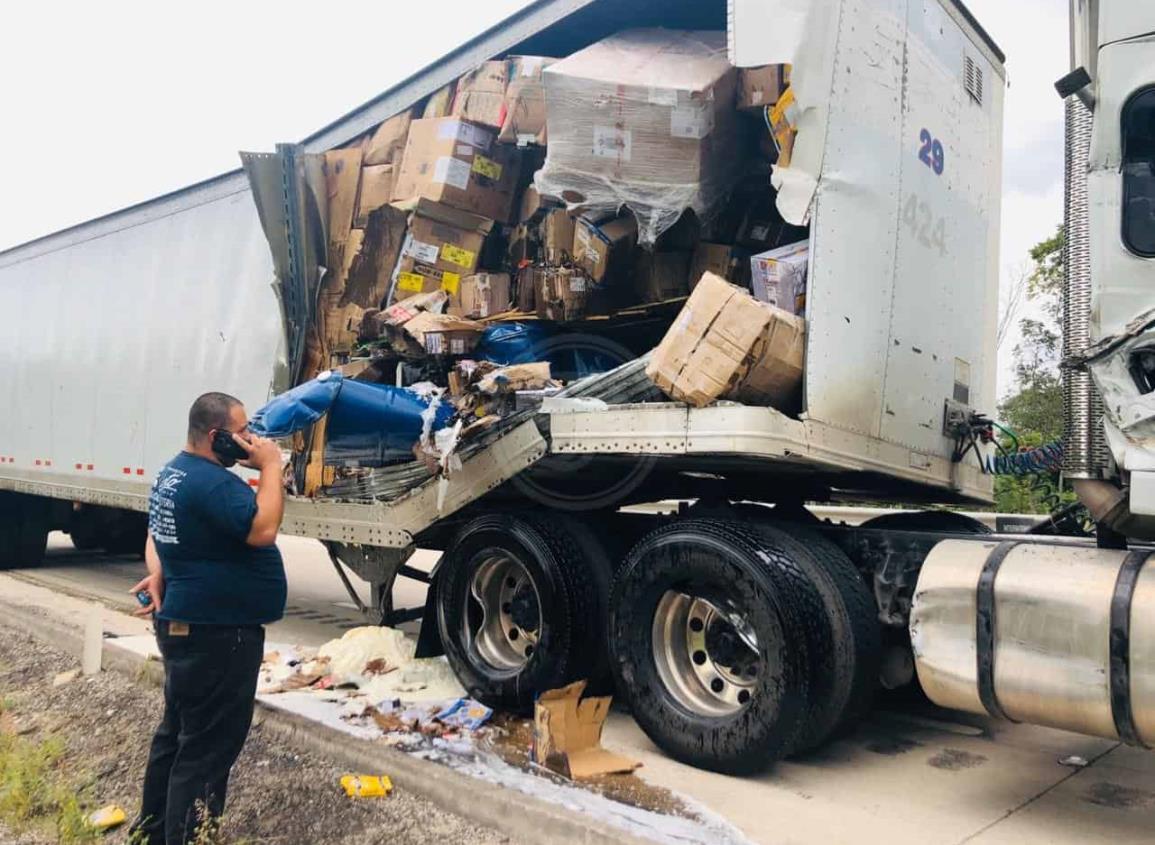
x=903 y=292
x=107 y=341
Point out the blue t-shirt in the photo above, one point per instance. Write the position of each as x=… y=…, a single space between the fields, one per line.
x=199 y=515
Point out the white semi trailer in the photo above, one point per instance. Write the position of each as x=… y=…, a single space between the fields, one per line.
x=741 y=629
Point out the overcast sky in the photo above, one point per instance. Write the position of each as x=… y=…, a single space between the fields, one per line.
x=108 y=104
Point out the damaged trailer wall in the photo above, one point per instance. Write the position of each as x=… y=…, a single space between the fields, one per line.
x=897 y=166
x=112 y=331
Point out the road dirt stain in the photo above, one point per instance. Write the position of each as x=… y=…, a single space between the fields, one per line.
x=953 y=760
x=1107 y=794
x=892 y=746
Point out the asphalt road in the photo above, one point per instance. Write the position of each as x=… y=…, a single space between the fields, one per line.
x=318 y=608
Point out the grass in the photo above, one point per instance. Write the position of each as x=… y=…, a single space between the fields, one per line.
x=35 y=791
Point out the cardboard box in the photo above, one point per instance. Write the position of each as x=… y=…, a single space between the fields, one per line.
x=721 y=260
x=640 y=111
x=453 y=161
x=481 y=95
x=659 y=276
x=441 y=247
x=481 y=295
x=759 y=87
x=557 y=236
x=725 y=343
x=524 y=121
x=567 y=734
x=778 y=277
x=439 y=102
x=561 y=293
x=443 y=334
x=527 y=289
x=386 y=144
x=603 y=250
x=376 y=190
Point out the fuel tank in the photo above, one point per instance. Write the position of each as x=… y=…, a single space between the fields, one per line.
x=1055 y=635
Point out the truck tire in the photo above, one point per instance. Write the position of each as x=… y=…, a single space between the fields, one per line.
x=596 y=566
x=711 y=630
x=946 y=521
x=855 y=630
x=513 y=617
x=24 y=525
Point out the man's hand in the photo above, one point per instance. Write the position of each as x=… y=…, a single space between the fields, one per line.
x=263 y=453
x=154 y=584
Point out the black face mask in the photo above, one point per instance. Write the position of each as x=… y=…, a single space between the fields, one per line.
x=227 y=450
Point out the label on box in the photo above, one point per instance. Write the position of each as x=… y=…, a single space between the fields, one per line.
x=663 y=96
x=451 y=171
x=463 y=150
x=456 y=255
x=420 y=250
x=411 y=282
x=487 y=167
x=450 y=283
x=611 y=142
x=466 y=133
x=692 y=121
x=577 y=284
x=434 y=342
x=457 y=346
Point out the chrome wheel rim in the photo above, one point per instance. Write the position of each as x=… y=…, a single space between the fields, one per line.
x=505 y=629
x=706 y=654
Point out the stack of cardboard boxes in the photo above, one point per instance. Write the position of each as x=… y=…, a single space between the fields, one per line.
x=510 y=194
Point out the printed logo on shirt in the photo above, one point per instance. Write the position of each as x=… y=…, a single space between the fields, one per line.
x=162 y=507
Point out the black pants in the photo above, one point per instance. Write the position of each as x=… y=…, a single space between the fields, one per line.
x=210 y=678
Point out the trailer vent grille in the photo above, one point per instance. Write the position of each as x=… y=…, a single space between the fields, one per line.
x=973 y=79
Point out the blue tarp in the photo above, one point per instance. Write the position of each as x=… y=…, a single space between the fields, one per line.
x=370 y=424
x=570 y=354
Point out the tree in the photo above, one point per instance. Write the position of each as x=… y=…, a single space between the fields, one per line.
x=1035 y=410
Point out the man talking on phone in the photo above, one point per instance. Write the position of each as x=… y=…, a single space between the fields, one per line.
x=214 y=579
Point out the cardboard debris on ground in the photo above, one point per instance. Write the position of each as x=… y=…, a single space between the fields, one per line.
x=567 y=734
x=725 y=343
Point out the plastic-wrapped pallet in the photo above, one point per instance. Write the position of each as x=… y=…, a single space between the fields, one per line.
x=644 y=118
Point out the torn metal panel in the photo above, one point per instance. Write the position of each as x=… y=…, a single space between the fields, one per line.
x=290 y=193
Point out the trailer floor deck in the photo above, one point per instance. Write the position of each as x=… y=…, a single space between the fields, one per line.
x=909 y=774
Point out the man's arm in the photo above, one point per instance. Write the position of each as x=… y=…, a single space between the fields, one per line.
x=153 y=582
x=265 y=455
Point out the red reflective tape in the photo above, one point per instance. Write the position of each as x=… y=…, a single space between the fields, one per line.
x=89 y=467
x=80 y=466
x=48 y=463
x=139 y=471
x=38 y=462
x=126 y=470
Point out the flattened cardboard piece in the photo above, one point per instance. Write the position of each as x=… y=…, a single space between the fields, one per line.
x=342 y=177
x=376 y=191
x=567 y=733
x=371 y=268
x=387 y=143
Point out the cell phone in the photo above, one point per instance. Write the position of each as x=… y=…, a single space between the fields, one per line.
x=226 y=448
x=143 y=598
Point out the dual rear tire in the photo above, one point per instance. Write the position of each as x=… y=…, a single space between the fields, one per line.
x=24 y=525
x=735 y=643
